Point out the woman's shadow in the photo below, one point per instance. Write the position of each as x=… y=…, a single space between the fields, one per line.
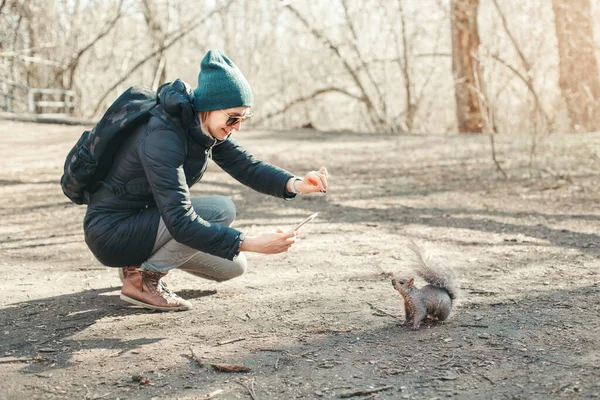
x=39 y=333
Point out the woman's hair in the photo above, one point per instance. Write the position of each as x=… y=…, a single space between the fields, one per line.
x=204 y=116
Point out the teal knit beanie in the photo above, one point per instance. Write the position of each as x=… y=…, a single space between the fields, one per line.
x=221 y=84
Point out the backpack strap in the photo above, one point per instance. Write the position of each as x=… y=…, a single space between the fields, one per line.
x=133 y=187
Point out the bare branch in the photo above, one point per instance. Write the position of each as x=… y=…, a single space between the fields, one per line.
x=182 y=33
x=375 y=117
x=433 y=55
x=528 y=79
x=15 y=53
x=522 y=57
x=159 y=74
x=528 y=82
x=102 y=33
x=404 y=67
x=420 y=95
x=488 y=115
x=74 y=61
x=158 y=39
x=310 y=97
x=36 y=60
x=360 y=57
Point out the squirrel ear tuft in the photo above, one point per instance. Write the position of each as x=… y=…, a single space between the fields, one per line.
x=411 y=281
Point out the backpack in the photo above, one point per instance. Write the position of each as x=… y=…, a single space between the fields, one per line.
x=90 y=159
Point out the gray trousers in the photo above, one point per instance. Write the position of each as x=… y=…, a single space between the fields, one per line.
x=168 y=254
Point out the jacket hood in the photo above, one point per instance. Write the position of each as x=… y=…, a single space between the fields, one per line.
x=176 y=100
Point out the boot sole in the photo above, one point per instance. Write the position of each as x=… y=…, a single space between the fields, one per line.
x=150 y=306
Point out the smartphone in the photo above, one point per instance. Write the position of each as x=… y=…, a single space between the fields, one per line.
x=307 y=220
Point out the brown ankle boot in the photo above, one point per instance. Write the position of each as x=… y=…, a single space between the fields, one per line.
x=124 y=271
x=144 y=289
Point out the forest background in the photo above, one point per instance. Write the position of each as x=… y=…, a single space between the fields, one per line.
x=386 y=66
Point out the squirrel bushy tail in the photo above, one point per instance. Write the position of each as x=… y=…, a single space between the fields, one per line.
x=440 y=276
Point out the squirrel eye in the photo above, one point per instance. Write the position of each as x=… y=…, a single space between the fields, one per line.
x=401 y=282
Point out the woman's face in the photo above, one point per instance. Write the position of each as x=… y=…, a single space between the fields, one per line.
x=222 y=123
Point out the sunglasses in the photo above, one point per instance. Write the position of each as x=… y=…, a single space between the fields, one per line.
x=234 y=119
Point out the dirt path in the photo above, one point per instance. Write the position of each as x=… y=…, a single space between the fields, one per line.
x=321 y=320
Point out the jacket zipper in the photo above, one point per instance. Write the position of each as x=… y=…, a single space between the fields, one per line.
x=208 y=154
x=208 y=151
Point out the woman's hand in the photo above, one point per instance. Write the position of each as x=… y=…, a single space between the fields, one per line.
x=269 y=243
x=314 y=181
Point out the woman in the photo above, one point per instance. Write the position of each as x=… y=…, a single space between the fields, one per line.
x=156 y=226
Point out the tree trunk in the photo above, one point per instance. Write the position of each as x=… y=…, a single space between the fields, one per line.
x=578 y=68
x=466 y=69
x=158 y=38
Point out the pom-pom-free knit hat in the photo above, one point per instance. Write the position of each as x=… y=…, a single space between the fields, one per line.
x=221 y=84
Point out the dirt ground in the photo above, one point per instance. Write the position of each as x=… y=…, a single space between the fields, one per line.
x=321 y=321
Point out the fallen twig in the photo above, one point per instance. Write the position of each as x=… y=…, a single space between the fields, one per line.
x=486 y=378
x=211 y=395
x=327 y=330
x=473 y=326
x=101 y=396
x=230 y=368
x=340 y=312
x=230 y=341
x=9 y=360
x=274 y=350
x=197 y=359
x=447 y=362
x=360 y=392
x=381 y=311
x=484 y=292
x=559 y=363
x=250 y=389
x=560 y=388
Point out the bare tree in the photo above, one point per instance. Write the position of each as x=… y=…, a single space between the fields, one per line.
x=579 y=79
x=362 y=63
x=466 y=67
x=65 y=77
x=28 y=38
x=171 y=39
x=528 y=76
x=373 y=111
x=404 y=63
x=151 y=15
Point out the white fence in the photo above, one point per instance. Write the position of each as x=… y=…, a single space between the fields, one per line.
x=18 y=98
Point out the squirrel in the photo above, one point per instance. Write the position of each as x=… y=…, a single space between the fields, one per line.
x=435 y=299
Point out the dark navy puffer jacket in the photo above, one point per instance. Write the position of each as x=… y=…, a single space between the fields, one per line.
x=166 y=156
